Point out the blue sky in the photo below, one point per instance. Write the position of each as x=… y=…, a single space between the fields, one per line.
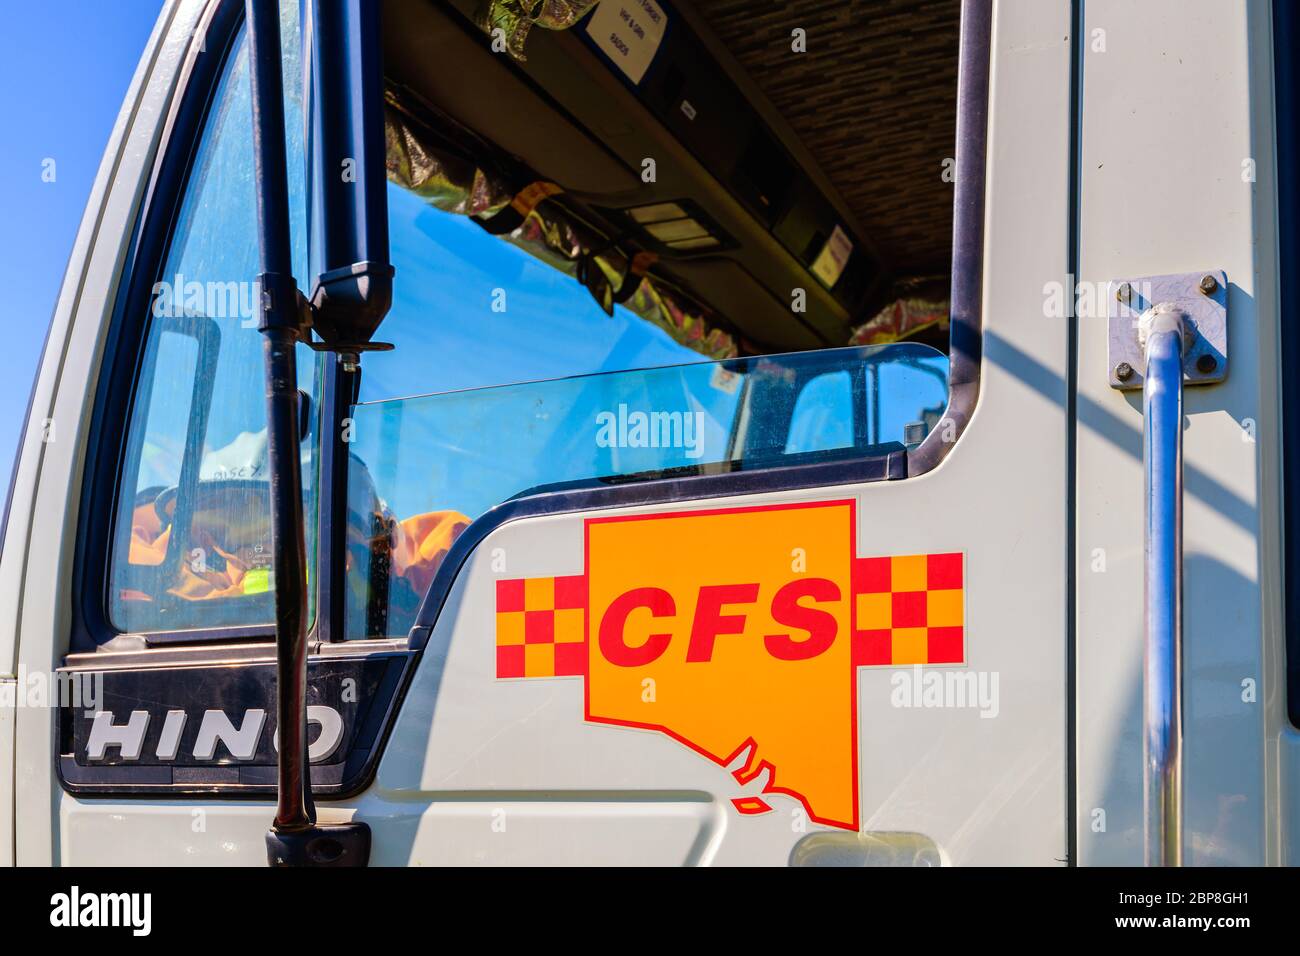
x=64 y=70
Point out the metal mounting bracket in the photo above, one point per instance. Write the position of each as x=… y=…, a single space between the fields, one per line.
x=1201 y=297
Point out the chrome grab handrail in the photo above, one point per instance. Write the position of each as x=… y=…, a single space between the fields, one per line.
x=1161 y=335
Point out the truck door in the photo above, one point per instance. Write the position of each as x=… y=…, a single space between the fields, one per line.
x=800 y=606
x=773 y=652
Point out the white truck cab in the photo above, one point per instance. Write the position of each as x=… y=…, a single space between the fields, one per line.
x=670 y=432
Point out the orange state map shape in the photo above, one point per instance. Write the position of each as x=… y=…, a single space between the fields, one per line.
x=799 y=716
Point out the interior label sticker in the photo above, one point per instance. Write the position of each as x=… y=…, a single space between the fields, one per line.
x=629 y=33
x=830 y=262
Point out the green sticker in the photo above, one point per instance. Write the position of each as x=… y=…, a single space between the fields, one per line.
x=257 y=581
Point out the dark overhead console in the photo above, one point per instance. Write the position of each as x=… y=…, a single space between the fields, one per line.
x=659 y=57
x=641 y=117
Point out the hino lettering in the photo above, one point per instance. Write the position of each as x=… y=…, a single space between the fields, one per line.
x=215 y=728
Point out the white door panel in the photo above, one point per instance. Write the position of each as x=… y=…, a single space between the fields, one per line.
x=982 y=789
x=162 y=833
x=498 y=829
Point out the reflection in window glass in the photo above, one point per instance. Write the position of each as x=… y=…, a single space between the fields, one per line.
x=437 y=441
x=823 y=414
x=470 y=309
x=174 y=361
x=892 y=412
x=192 y=545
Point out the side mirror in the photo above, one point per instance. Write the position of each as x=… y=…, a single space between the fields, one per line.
x=348 y=213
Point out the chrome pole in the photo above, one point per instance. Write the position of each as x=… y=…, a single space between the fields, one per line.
x=1161 y=335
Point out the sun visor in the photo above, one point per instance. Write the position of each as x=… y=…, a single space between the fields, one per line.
x=445 y=180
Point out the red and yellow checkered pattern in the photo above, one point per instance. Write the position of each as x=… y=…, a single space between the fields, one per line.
x=909 y=610
x=541 y=627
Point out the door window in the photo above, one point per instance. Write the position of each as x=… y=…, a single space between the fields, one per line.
x=422 y=468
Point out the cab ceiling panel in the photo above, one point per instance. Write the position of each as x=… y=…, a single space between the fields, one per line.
x=873 y=98
x=720 y=151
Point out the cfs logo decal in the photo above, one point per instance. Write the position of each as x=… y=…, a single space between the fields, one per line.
x=737 y=632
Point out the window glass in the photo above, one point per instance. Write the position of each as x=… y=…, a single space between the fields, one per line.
x=192 y=542
x=423 y=467
x=174 y=362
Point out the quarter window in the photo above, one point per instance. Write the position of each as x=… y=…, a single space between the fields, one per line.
x=191 y=545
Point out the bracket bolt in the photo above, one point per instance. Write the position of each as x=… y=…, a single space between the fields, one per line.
x=1123 y=371
x=1124 y=293
x=1206 y=363
x=1209 y=285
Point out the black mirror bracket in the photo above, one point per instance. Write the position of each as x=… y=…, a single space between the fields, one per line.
x=340 y=305
x=320 y=845
x=347 y=301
